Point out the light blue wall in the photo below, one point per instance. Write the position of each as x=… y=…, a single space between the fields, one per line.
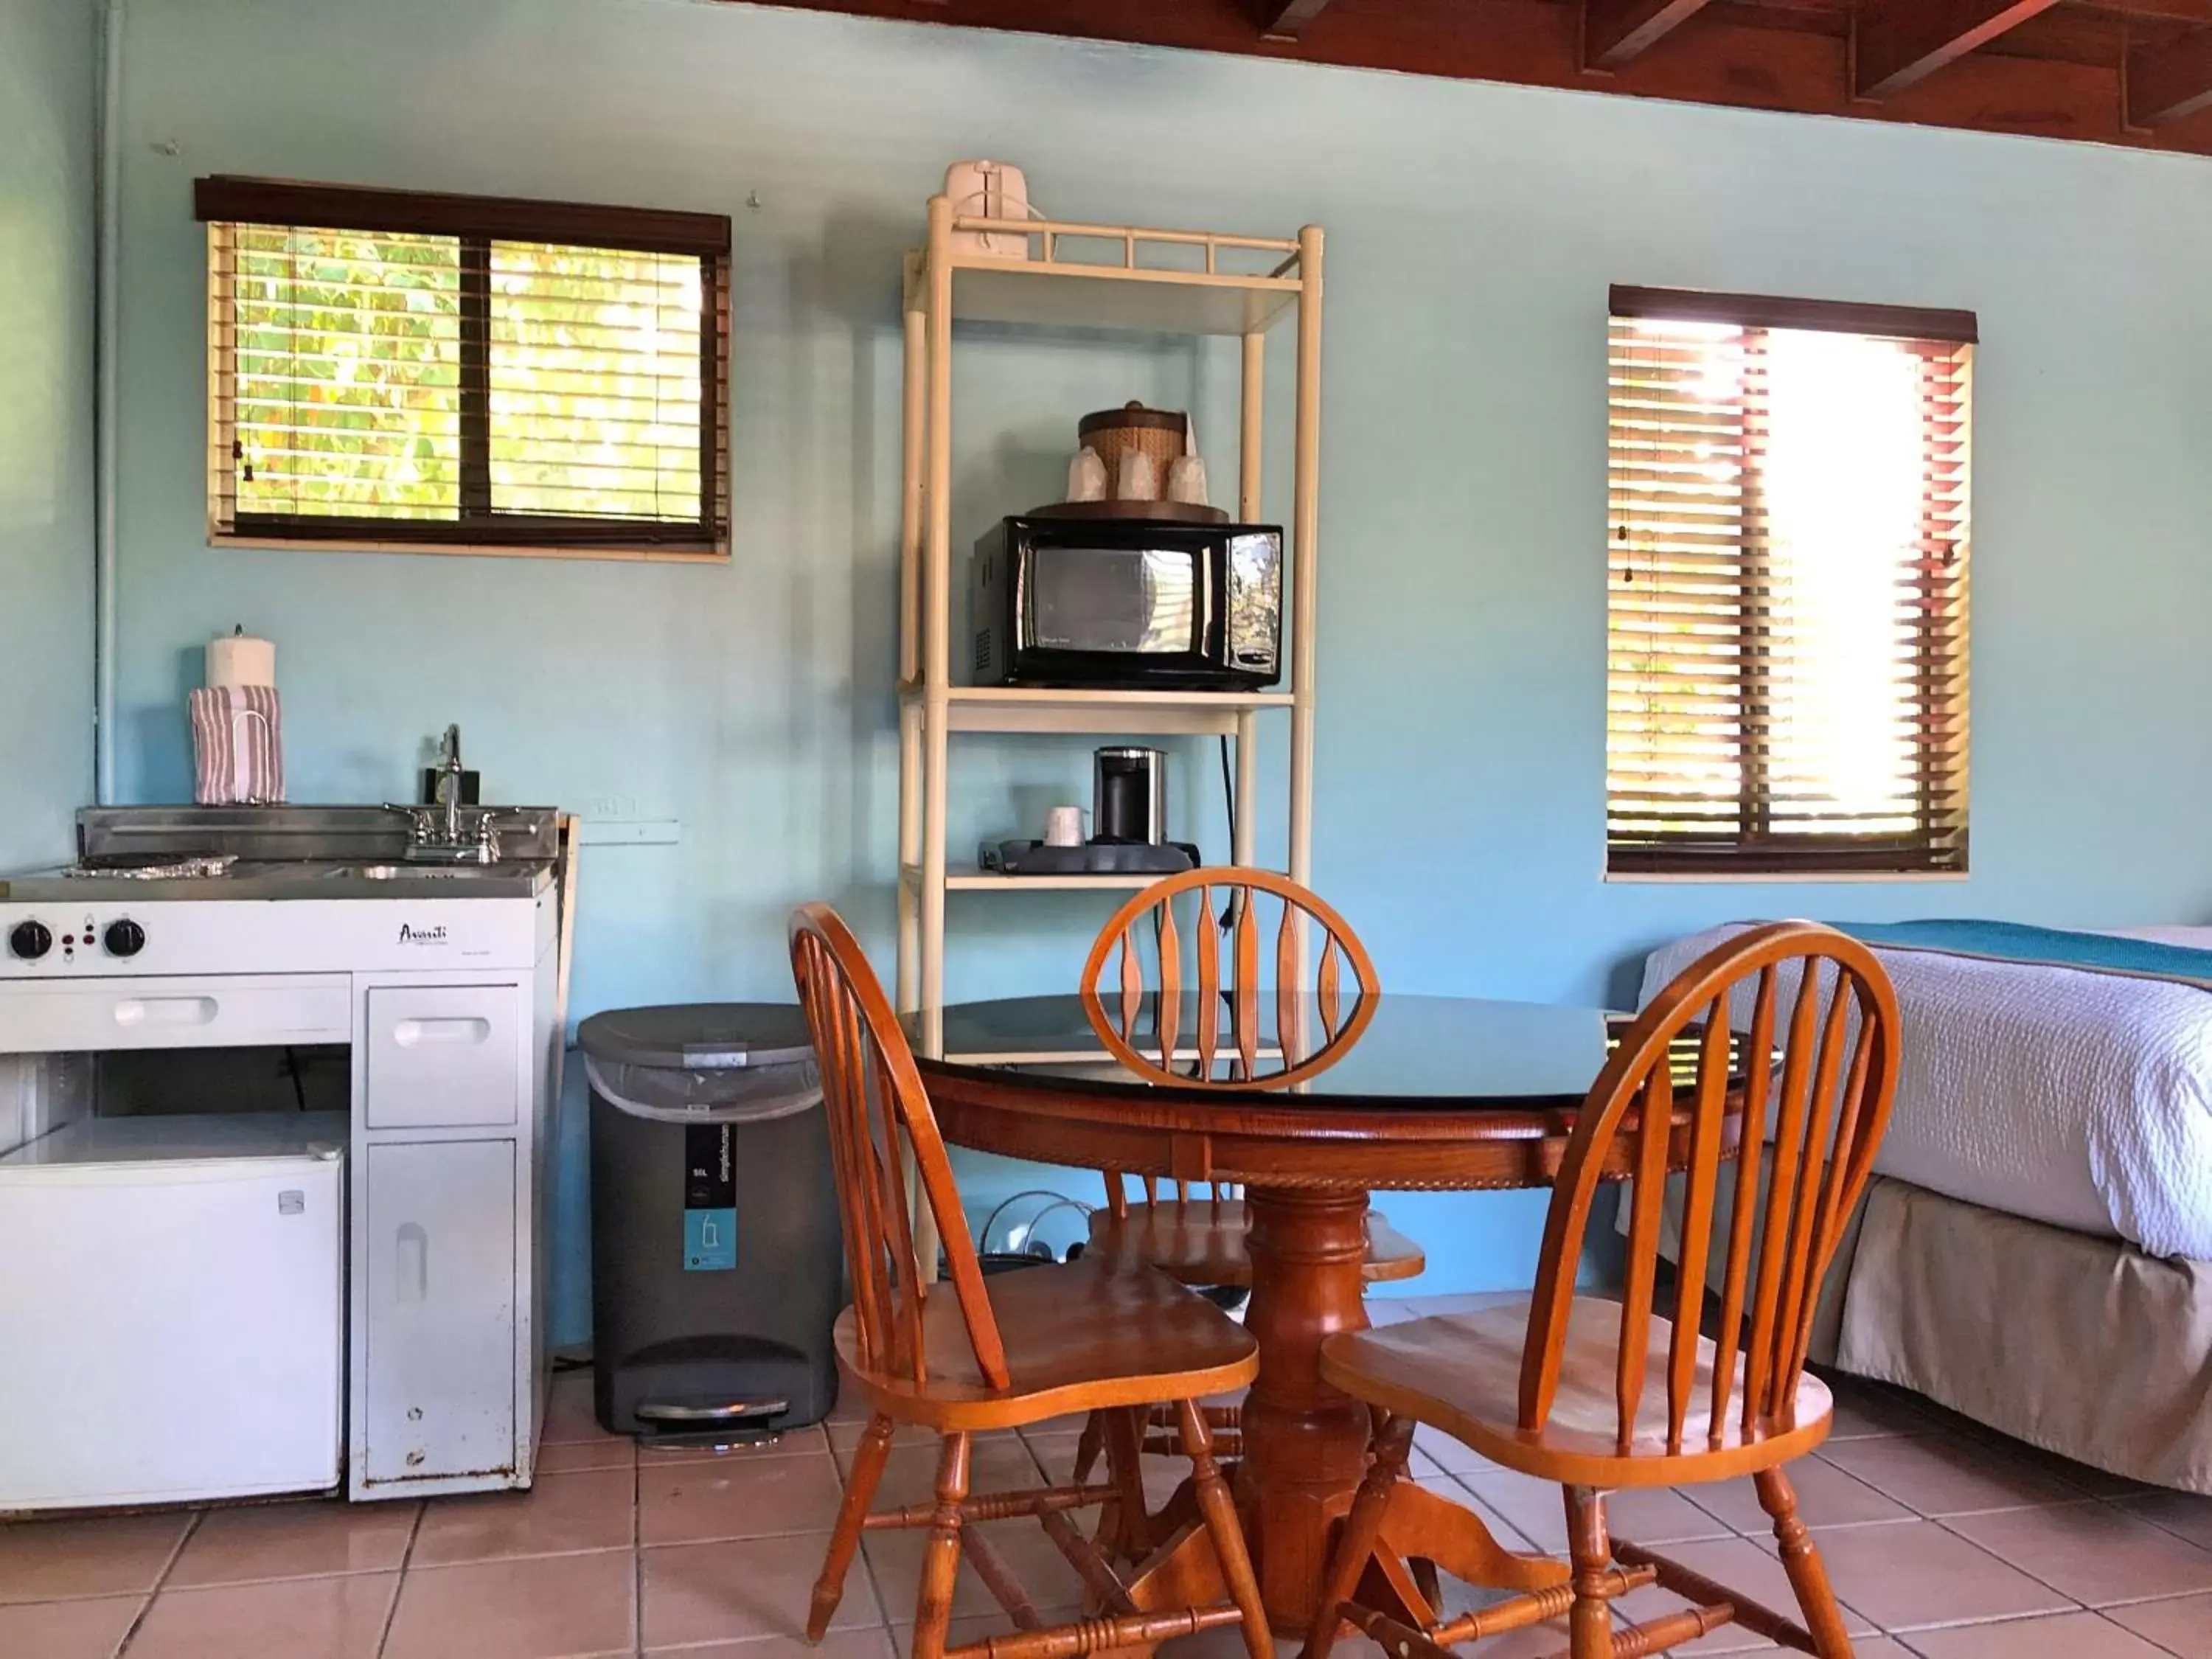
x=1473 y=230
x=48 y=54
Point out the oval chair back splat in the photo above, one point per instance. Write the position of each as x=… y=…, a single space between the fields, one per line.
x=1188 y=1004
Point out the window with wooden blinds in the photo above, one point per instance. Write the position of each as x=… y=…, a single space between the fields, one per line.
x=466 y=373
x=1786 y=614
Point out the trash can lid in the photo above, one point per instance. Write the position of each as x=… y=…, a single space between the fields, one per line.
x=699 y=1036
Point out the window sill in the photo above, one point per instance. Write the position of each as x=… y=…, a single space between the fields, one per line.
x=477 y=549
x=1780 y=878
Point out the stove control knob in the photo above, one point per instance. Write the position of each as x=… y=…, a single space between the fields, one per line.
x=123 y=938
x=31 y=940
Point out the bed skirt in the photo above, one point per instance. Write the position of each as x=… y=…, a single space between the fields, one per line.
x=2084 y=1346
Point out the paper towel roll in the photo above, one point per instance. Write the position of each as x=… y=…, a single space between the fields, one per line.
x=238 y=660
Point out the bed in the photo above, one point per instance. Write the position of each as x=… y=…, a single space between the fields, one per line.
x=2051 y=1150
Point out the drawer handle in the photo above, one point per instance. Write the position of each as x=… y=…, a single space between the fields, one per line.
x=165 y=1010
x=419 y=1033
x=411 y=1274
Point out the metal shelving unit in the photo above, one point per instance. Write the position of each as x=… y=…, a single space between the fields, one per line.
x=1151 y=281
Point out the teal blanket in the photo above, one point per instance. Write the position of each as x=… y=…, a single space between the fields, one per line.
x=2013 y=941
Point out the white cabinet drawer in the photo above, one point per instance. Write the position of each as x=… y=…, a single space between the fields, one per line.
x=441 y=1056
x=227 y=1011
x=440 y=1372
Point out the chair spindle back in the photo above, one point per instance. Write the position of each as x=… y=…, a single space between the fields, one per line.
x=1838 y=1080
x=879 y=1112
x=1206 y=1015
x=1209 y=1194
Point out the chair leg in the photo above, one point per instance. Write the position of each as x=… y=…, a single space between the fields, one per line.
x=1589 y=1621
x=1800 y=1559
x=1362 y=1527
x=940 y=1561
x=1087 y=1447
x=1225 y=1529
x=1124 y=1524
x=875 y=1448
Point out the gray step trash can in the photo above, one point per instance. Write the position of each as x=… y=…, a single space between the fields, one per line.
x=717 y=1264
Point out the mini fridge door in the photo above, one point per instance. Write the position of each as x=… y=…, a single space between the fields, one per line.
x=173 y=1330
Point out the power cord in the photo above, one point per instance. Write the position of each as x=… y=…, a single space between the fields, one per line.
x=1228 y=791
x=1228 y=917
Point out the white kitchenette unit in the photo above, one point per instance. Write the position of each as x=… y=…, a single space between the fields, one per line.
x=188 y=1314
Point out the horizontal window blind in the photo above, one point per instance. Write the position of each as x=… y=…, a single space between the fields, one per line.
x=427 y=370
x=1787 y=648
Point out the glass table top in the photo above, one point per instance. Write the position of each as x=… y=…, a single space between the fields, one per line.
x=1418 y=1052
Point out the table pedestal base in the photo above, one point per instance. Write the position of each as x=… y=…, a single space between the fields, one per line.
x=1306 y=1444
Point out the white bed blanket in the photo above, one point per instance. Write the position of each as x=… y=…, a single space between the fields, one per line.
x=2077 y=1098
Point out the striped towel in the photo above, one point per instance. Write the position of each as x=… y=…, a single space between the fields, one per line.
x=238 y=745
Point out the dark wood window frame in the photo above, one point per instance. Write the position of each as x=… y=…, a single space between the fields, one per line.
x=1937 y=844
x=478 y=221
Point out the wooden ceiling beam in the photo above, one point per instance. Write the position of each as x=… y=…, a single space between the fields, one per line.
x=1618 y=32
x=1286 y=20
x=1759 y=54
x=1900 y=42
x=2166 y=83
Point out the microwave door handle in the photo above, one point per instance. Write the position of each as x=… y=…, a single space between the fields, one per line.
x=1214 y=644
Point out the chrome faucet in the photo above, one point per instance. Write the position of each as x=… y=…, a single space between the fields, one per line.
x=448 y=831
x=449 y=785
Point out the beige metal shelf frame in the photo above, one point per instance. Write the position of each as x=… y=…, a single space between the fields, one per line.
x=991 y=881
x=1165 y=714
x=1158 y=282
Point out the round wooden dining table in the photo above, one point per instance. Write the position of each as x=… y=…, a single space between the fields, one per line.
x=1437 y=1093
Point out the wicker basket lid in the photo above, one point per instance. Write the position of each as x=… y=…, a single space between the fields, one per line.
x=1133 y=414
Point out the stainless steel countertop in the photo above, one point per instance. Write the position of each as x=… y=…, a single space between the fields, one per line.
x=144 y=834
x=288 y=878
x=283 y=853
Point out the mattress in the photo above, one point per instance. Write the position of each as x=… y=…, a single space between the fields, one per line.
x=2080 y=1099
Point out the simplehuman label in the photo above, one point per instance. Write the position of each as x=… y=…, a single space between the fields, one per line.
x=710 y=1198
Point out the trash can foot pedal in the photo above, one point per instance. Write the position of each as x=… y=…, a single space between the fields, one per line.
x=696 y=1439
x=736 y=1422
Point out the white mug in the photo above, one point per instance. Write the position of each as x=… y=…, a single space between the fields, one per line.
x=1063 y=826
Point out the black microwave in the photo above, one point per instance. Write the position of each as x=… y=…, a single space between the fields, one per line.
x=1128 y=603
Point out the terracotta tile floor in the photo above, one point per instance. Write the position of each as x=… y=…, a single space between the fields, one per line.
x=1944 y=1541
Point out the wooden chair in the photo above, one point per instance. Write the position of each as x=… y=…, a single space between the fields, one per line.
x=1558 y=1390
x=1222 y=1040
x=970 y=1355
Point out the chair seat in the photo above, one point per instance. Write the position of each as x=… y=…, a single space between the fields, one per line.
x=1087 y=1334
x=1202 y=1242
x=1462 y=1373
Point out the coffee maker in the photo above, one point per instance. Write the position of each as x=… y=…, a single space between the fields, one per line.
x=1129 y=797
x=1128 y=826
